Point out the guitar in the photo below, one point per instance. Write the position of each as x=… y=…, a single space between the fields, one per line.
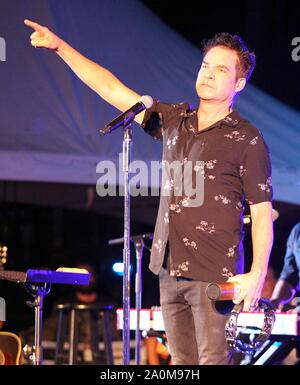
x=10 y=348
x=3 y=255
x=3 y=259
x=10 y=343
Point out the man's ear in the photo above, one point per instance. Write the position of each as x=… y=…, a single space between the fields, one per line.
x=240 y=84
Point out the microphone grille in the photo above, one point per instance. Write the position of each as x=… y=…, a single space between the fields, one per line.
x=147 y=101
x=213 y=291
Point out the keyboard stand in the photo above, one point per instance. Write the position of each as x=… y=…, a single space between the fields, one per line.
x=38 y=291
x=38 y=284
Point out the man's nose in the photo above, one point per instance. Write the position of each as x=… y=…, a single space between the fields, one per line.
x=210 y=74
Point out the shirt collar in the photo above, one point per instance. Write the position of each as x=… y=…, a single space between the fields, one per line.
x=231 y=120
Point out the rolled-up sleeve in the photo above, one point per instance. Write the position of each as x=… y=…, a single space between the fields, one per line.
x=161 y=116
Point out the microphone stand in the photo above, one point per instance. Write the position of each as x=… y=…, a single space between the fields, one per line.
x=127 y=147
x=139 y=246
x=138 y=241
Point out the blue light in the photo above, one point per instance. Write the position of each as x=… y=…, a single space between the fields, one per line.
x=118 y=268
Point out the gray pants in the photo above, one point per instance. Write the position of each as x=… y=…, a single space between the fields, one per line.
x=195 y=329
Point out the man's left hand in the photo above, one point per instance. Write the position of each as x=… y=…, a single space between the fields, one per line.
x=250 y=288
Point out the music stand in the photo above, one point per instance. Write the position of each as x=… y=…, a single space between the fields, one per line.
x=38 y=284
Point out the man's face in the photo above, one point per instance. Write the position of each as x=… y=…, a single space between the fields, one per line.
x=217 y=78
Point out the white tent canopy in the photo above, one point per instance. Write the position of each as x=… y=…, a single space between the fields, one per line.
x=50 y=121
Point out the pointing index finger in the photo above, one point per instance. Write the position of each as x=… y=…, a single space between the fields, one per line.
x=37 y=27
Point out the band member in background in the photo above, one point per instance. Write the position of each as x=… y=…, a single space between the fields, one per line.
x=196 y=245
x=289 y=279
x=284 y=296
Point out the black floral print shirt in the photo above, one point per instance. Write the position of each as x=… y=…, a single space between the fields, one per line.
x=205 y=242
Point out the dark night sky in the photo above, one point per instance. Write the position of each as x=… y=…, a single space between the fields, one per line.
x=267 y=27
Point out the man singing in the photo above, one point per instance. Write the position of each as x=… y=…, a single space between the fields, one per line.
x=197 y=244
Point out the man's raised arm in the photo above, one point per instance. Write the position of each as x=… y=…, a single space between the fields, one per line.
x=98 y=78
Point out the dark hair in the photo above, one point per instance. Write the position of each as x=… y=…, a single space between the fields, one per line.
x=246 y=59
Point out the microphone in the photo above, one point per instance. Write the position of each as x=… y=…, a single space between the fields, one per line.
x=128 y=116
x=222 y=291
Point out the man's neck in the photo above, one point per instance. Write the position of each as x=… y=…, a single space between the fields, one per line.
x=210 y=113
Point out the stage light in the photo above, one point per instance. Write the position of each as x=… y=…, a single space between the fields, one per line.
x=118 y=268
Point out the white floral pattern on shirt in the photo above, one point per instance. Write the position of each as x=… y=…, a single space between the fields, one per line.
x=206 y=227
x=242 y=170
x=158 y=245
x=178 y=206
x=184 y=266
x=211 y=177
x=169 y=184
x=175 y=207
x=172 y=142
x=166 y=218
x=198 y=168
x=236 y=136
x=192 y=128
x=266 y=186
x=226 y=273
x=223 y=199
x=253 y=142
x=210 y=164
x=233 y=122
x=231 y=251
x=187 y=242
